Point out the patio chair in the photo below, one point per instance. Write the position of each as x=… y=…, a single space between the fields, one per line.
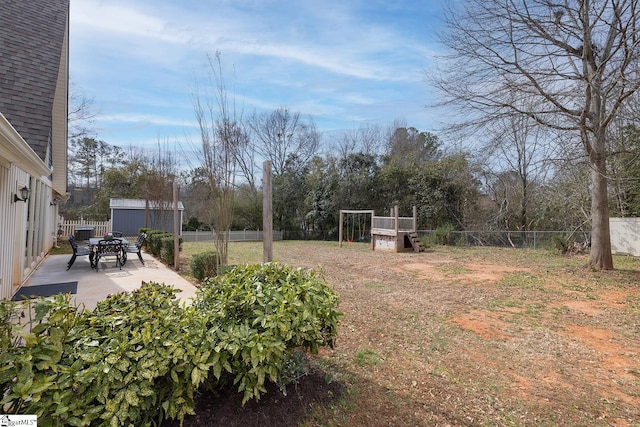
x=117 y=234
x=135 y=249
x=111 y=247
x=77 y=251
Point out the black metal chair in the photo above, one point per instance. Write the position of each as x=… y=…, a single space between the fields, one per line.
x=109 y=247
x=117 y=234
x=135 y=249
x=78 y=251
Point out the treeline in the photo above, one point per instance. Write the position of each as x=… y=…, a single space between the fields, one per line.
x=510 y=183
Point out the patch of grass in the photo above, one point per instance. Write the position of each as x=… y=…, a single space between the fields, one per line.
x=367 y=357
x=63 y=248
x=579 y=286
x=439 y=342
x=536 y=309
x=633 y=302
x=626 y=262
x=506 y=302
x=522 y=280
x=373 y=285
x=560 y=311
x=440 y=372
x=453 y=269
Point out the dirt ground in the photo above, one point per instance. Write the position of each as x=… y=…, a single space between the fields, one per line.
x=463 y=337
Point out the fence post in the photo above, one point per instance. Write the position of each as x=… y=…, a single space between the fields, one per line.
x=415 y=219
x=396 y=211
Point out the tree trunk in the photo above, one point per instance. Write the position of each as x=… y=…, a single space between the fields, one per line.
x=600 y=257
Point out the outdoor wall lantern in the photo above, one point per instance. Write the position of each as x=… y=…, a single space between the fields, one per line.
x=24 y=192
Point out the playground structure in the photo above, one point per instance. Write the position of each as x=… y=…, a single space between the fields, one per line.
x=388 y=233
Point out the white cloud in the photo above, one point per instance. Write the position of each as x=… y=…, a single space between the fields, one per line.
x=146 y=119
x=333 y=60
x=95 y=17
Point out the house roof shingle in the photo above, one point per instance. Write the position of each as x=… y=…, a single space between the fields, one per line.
x=31 y=41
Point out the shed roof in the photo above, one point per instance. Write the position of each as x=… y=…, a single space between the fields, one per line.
x=141 y=204
x=31 y=39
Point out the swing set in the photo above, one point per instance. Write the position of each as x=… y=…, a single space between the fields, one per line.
x=355 y=219
x=394 y=233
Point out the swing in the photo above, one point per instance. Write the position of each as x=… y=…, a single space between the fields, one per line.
x=350 y=231
x=362 y=229
x=353 y=219
x=360 y=220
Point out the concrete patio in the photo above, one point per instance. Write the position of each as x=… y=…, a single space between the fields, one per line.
x=95 y=286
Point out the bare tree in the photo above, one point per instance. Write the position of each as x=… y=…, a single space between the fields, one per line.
x=624 y=160
x=222 y=137
x=279 y=134
x=160 y=171
x=81 y=114
x=368 y=138
x=516 y=157
x=569 y=65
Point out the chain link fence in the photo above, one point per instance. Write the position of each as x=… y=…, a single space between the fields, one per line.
x=514 y=239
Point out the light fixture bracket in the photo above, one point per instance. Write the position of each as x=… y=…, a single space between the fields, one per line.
x=24 y=192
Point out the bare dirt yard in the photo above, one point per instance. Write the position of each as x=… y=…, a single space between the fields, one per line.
x=461 y=337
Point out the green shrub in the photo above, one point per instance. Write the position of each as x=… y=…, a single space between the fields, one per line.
x=166 y=248
x=442 y=235
x=260 y=314
x=204 y=265
x=136 y=359
x=154 y=241
x=139 y=357
x=33 y=340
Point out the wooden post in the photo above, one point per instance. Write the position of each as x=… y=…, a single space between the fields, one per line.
x=396 y=216
x=396 y=209
x=146 y=213
x=371 y=231
x=415 y=219
x=340 y=229
x=267 y=213
x=176 y=230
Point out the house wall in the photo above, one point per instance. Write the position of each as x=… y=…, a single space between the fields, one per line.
x=23 y=226
x=625 y=236
x=33 y=132
x=12 y=225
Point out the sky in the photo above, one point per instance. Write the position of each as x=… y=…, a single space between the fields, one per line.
x=345 y=64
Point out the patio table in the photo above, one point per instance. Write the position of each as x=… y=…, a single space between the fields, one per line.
x=94 y=243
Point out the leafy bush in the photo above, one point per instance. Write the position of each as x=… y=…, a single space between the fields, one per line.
x=136 y=359
x=154 y=241
x=33 y=339
x=260 y=314
x=139 y=357
x=442 y=235
x=166 y=248
x=204 y=265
